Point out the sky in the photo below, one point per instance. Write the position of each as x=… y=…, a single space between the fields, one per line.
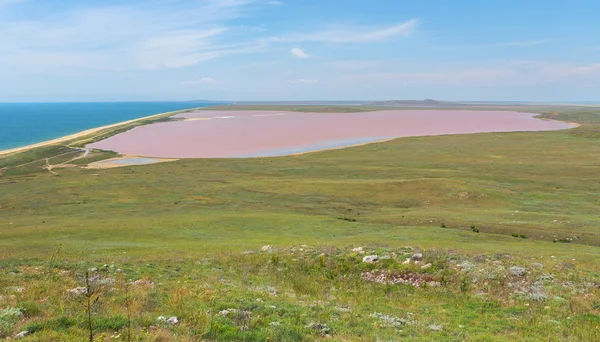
x=290 y=50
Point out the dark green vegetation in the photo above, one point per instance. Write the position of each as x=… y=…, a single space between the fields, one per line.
x=182 y=229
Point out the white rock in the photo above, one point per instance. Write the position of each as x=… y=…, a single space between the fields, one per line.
x=357 y=249
x=370 y=258
x=267 y=248
x=274 y=323
x=78 y=291
x=424 y=267
x=22 y=334
x=161 y=319
x=173 y=320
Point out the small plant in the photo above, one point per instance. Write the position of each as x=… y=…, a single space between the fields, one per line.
x=443 y=225
x=348 y=219
x=522 y=236
x=474 y=229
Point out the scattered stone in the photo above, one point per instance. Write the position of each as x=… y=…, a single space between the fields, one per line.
x=173 y=320
x=142 y=282
x=274 y=324
x=322 y=328
x=22 y=334
x=537 y=265
x=357 y=249
x=78 y=291
x=224 y=312
x=93 y=269
x=414 y=279
x=161 y=319
x=424 y=267
x=517 y=271
x=370 y=258
x=385 y=257
x=467 y=266
x=267 y=249
x=391 y=321
x=436 y=327
x=417 y=257
x=406 y=262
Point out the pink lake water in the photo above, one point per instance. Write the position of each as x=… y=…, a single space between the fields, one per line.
x=240 y=134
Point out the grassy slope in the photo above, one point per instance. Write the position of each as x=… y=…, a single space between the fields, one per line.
x=542 y=185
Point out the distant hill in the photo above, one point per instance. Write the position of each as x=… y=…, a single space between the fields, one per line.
x=415 y=103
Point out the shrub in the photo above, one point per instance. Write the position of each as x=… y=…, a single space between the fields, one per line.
x=443 y=225
x=474 y=229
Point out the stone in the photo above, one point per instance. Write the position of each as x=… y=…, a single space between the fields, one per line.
x=267 y=249
x=517 y=271
x=537 y=265
x=173 y=320
x=370 y=258
x=357 y=249
x=78 y=291
x=417 y=257
x=22 y=334
x=424 y=267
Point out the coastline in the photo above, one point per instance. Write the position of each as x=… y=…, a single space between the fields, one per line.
x=87 y=132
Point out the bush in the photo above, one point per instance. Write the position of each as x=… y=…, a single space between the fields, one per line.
x=474 y=229
x=30 y=309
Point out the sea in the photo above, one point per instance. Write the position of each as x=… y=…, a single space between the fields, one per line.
x=24 y=124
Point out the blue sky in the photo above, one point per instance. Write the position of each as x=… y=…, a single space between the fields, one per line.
x=108 y=50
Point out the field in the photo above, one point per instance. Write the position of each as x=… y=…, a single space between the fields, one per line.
x=507 y=225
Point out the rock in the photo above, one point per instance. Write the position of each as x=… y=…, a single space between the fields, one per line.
x=436 y=327
x=537 y=265
x=267 y=249
x=406 y=262
x=417 y=257
x=78 y=291
x=370 y=258
x=142 y=282
x=424 y=267
x=173 y=320
x=93 y=269
x=517 y=271
x=274 y=324
x=467 y=266
x=161 y=319
x=357 y=249
x=22 y=334
x=385 y=257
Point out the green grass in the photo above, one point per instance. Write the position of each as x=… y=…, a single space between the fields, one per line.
x=185 y=226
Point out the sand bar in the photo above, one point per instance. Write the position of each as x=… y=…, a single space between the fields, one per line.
x=82 y=134
x=239 y=134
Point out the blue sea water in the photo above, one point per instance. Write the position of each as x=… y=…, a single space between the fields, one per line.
x=23 y=124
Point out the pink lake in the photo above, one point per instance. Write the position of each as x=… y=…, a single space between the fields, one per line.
x=240 y=134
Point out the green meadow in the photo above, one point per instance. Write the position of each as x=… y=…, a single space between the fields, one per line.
x=502 y=228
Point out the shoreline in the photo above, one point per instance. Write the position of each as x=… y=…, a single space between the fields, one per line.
x=81 y=134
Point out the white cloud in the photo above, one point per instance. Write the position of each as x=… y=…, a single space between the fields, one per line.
x=303 y=81
x=299 y=53
x=275 y=3
x=202 y=80
x=354 y=34
x=150 y=35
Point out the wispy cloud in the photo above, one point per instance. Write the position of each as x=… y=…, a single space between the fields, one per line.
x=151 y=35
x=299 y=53
x=354 y=34
x=303 y=81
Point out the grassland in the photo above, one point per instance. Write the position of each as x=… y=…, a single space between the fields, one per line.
x=183 y=239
